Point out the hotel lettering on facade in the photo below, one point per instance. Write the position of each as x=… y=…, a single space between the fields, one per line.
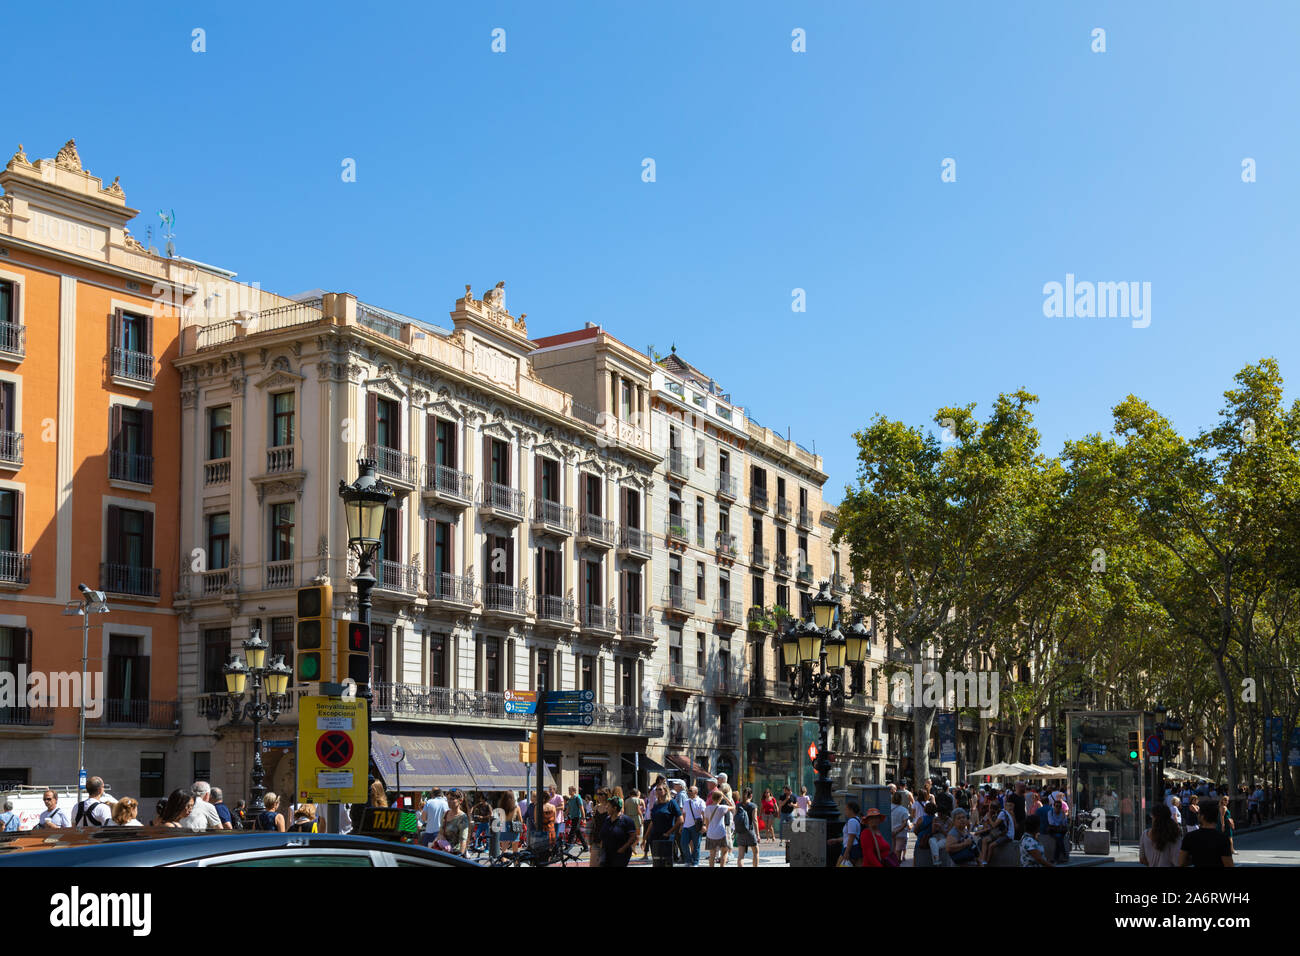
x=570 y=514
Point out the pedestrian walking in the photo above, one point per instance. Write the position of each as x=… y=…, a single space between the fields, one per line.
x=599 y=818
x=511 y=820
x=1162 y=843
x=270 y=818
x=769 y=810
x=618 y=834
x=94 y=811
x=787 y=807
x=433 y=812
x=1207 y=846
x=746 y=827
x=453 y=836
x=875 y=850
x=179 y=806
x=575 y=813
x=717 y=818
x=1225 y=822
x=802 y=802
x=665 y=826
x=634 y=808
x=850 y=838
x=900 y=818
x=692 y=827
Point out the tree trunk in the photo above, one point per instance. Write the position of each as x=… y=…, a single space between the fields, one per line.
x=1229 y=723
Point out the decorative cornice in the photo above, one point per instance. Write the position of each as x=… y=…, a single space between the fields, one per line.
x=67 y=156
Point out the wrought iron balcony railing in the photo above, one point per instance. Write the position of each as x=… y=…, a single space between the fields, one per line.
x=758 y=498
x=396 y=576
x=728 y=486
x=448 y=483
x=136 y=366
x=128 y=579
x=505 y=599
x=597 y=618
x=13 y=338
x=449 y=588
x=554 y=609
x=634 y=541
x=11 y=447
x=552 y=515
x=15 y=567
x=502 y=500
x=678 y=465
x=677 y=529
x=783 y=509
x=597 y=530
x=391 y=463
x=638 y=625
x=125 y=466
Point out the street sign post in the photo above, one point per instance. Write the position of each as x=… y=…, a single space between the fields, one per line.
x=331 y=758
x=521 y=702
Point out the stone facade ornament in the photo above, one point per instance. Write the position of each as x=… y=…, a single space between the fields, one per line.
x=131 y=242
x=115 y=188
x=67 y=157
x=20 y=156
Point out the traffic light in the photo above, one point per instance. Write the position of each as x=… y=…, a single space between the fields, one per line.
x=1134 y=745
x=313 y=611
x=528 y=750
x=354 y=652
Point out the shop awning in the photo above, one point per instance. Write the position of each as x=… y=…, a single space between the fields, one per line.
x=493 y=764
x=431 y=761
x=688 y=766
x=462 y=762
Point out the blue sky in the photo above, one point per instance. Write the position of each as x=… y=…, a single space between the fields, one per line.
x=775 y=170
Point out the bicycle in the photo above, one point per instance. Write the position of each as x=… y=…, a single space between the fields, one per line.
x=551 y=854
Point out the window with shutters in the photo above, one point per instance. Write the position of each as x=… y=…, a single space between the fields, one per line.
x=11 y=439
x=216 y=652
x=499 y=559
x=674 y=571
x=627 y=679
x=379 y=653
x=390 y=535
x=631 y=511
x=783 y=596
x=282 y=531
x=218 y=541
x=591 y=500
x=700 y=649
x=282 y=644
x=758 y=597
x=499 y=461
x=550 y=572
x=592 y=583
x=550 y=473
x=128 y=566
x=130 y=450
x=699 y=453
x=544 y=670
x=631 y=592
x=588 y=674
x=282 y=419
x=128 y=671
x=11 y=524
x=132 y=348
x=492 y=665
x=438 y=660
x=701 y=591
x=14 y=653
x=444 y=443
x=388 y=424
x=675 y=647
x=219 y=432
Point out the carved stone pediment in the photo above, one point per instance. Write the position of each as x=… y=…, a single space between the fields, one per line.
x=549 y=450
x=386 y=385
x=444 y=409
x=593 y=466
x=281 y=378
x=498 y=430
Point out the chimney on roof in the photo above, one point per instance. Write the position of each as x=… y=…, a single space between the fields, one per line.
x=590 y=325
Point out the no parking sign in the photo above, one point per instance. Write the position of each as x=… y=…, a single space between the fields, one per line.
x=332 y=737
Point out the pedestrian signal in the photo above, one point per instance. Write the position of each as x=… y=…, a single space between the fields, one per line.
x=354 y=652
x=1134 y=745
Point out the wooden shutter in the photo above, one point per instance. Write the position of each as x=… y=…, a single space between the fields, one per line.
x=488 y=474
x=146 y=432
x=140 y=683
x=114 y=332
x=147 y=547
x=431 y=439
x=540 y=576
x=148 y=338
x=537 y=476
x=113 y=533
x=115 y=427
x=431 y=548
x=509 y=542
x=372 y=417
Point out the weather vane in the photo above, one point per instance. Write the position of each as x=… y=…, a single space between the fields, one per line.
x=168 y=217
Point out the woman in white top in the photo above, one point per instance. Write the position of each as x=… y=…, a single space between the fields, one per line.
x=803 y=802
x=1160 y=844
x=125 y=813
x=717 y=816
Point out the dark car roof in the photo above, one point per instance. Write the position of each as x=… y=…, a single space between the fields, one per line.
x=119 y=846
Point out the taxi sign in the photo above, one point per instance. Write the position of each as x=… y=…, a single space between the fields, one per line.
x=331 y=759
x=812 y=751
x=390 y=823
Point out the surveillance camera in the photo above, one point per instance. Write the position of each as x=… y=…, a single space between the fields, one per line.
x=83 y=589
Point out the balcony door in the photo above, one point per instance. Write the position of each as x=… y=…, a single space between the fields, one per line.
x=631 y=591
x=442 y=440
x=591 y=500
x=631 y=511
x=497 y=454
x=11 y=521
x=128 y=677
x=550 y=572
x=592 y=579
x=499 y=559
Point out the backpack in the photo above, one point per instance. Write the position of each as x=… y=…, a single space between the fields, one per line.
x=743 y=823
x=84 y=815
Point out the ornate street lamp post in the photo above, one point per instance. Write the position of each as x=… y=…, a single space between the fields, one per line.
x=821 y=644
x=364 y=503
x=276 y=677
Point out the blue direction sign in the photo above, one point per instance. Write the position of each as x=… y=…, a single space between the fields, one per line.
x=521 y=702
x=1097 y=749
x=570 y=720
x=579 y=707
x=568 y=696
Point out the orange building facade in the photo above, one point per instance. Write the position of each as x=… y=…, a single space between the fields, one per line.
x=89 y=324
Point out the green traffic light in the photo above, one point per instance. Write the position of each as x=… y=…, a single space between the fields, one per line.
x=1132 y=755
x=309 y=667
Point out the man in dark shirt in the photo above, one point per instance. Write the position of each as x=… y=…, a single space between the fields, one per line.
x=618 y=835
x=943 y=800
x=1208 y=845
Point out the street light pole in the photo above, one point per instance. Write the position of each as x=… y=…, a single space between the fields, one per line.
x=256 y=709
x=92 y=602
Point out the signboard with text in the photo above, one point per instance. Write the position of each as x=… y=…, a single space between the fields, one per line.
x=332 y=750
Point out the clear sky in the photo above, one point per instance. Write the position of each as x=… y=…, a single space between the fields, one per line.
x=775 y=171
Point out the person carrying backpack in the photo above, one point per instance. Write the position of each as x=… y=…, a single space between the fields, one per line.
x=746 y=827
x=94 y=810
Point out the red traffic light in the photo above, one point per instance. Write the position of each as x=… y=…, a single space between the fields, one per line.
x=359 y=637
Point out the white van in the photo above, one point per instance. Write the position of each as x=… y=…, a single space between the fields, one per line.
x=29 y=803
